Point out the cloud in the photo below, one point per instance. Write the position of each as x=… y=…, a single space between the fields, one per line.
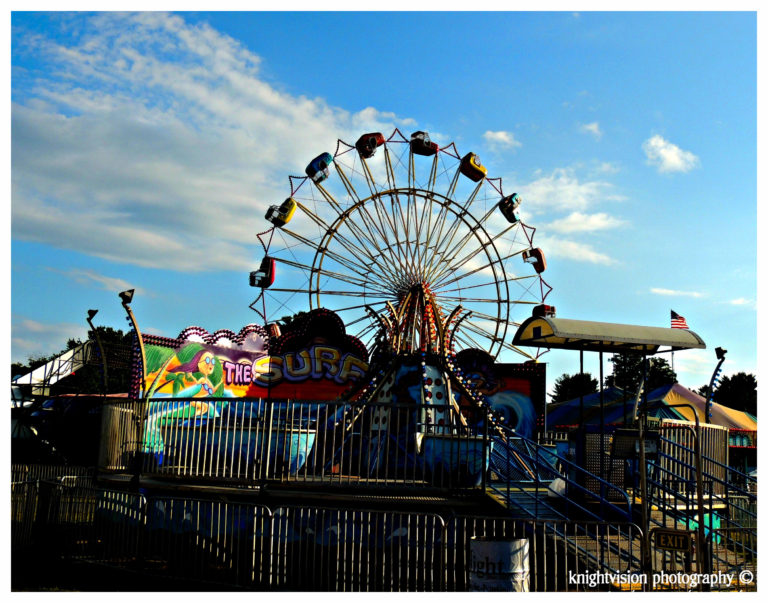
x=580 y=252
x=668 y=157
x=741 y=301
x=593 y=129
x=579 y=222
x=150 y=141
x=692 y=367
x=31 y=338
x=675 y=293
x=606 y=167
x=562 y=190
x=501 y=139
x=108 y=283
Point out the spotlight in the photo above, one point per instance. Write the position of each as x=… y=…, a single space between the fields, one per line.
x=720 y=353
x=92 y=313
x=126 y=296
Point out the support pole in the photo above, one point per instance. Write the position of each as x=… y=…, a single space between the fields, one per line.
x=104 y=380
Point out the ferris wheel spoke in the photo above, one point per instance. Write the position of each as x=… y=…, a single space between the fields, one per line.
x=362 y=282
x=389 y=169
x=409 y=258
x=475 y=328
x=362 y=306
x=461 y=244
x=436 y=234
x=446 y=265
x=283 y=303
x=361 y=294
x=471 y=342
x=368 y=220
x=442 y=291
x=514 y=348
x=448 y=239
x=333 y=255
x=475 y=300
x=358 y=251
x=386 y=221
x=393 y=264
x=363 y=257
x=499 y=261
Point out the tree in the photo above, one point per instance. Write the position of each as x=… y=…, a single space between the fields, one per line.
x=702 y=391
x=568 y=387
x=739 y=392
x=290 y=322
x=628 y=373
x=88 y=379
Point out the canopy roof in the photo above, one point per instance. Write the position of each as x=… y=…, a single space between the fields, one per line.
x=618 y=408
x=609 y=337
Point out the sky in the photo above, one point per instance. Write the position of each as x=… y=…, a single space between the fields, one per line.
x=146 y=148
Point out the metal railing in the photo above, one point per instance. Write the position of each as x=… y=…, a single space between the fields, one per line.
x=329 y=443
x=256 y=547
x=730 y=512
x=571 y=499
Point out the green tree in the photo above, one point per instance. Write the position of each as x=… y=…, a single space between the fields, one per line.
x=290 y=322
x=568 y=387
x=739 y=392
x=702 y=391
x=118 y=348
x=628 y=372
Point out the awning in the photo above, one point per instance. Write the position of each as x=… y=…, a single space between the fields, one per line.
x=565 y=333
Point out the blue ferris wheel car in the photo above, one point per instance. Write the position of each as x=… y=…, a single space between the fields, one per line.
x=318 y=169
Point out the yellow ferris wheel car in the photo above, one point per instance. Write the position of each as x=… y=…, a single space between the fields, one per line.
x=280 y=216
x=472 y=168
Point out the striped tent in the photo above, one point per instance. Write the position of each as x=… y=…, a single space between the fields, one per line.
x=618 y=405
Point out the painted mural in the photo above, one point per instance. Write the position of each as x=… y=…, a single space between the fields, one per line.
x=516 y=392
x=194 y=379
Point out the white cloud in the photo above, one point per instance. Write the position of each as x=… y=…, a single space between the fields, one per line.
x=593 y=129
x=501 y=139
x=579 y=222
x=563 y=191
x=742 y=301
x=31 y=338
x=668 y=157
x=675 y=293
x=108 y=283
x=606 y=167
x=580 y=252
x=154 y=142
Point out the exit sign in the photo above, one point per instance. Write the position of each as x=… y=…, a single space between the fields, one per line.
x=671 y=540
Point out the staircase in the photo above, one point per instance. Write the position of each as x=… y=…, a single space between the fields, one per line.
x=532 y=482
x=729 y=510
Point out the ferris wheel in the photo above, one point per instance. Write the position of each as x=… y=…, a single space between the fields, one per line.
x=379 y=219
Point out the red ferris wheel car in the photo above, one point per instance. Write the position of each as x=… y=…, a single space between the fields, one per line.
x=367 y=144
x=265 y=275
x=536 y=257
x=422 y=145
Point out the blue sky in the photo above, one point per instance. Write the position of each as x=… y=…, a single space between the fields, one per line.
x=147 y=147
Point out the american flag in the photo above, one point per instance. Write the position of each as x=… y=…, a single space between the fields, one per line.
x=677 y=321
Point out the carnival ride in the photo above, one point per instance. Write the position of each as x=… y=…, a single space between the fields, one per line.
x=398 y=242
x=424 y=258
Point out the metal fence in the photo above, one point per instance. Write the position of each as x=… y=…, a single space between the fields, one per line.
x=259 y=441
x=306 y=548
